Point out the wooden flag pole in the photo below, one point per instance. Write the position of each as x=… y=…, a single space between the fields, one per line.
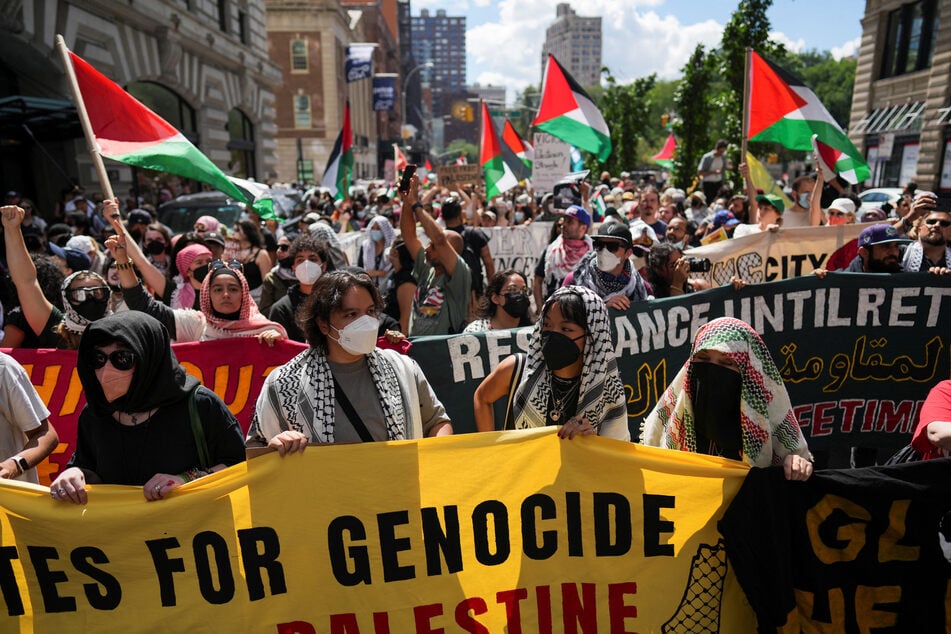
x=746 y=104
x=84 y=119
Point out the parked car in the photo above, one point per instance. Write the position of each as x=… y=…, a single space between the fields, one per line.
x=180 y=214
x=880 y=196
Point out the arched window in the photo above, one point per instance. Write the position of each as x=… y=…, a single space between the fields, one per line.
x=168 y=105
x=241 y=144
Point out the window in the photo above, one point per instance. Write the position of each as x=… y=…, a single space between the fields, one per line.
x=909 y=36
x=223 y=15
x=241 y=144
x=243 y=27
x=299 y=62
x=301 y=111
x=168 y=105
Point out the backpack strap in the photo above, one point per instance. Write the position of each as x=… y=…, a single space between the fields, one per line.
x=520 y=358
x=204 y=461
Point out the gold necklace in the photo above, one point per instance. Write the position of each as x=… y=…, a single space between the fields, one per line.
x=558 y=404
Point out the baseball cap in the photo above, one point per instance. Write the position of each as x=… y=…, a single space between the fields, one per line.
x=578 y=213
x=775 y=201
x=75 y=259
x=879 y=234
x=724 y=217
x=139 y=217
x=872 y=215
x=843 y=204
x=213 y=236
x=614 y=231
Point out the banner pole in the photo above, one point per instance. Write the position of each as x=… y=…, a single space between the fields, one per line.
x=746 y=104
x=84 y=119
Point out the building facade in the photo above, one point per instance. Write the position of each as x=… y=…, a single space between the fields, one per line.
x=901 y=104
x=440 y=39
x=576 y=42
x=201 y=65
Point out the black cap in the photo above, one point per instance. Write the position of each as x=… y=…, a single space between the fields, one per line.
x=617 y=231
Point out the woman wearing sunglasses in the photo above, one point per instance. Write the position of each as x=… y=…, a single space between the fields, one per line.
x=137 y=427
x=227 y=309
x=85 y=294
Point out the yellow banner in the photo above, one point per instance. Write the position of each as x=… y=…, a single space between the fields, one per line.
x=510 y=531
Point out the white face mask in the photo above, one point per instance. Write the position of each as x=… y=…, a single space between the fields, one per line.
x=607 y=260
x=639 y=263
x=359 y=336
x=308 y=272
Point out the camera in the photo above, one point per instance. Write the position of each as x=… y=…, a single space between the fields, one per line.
x=699 y=265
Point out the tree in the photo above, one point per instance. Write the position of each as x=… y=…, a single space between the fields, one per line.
x=461 y=146
x=831 y=80
x=626 y=108
x=691 y=124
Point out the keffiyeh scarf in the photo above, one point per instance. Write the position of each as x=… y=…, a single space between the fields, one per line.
x=601 y=396
x=914 y=255
x=770 y=430
x=75 y=322
x=303 y=399
x=370 y=259
x=630 y=283
x=563 y=257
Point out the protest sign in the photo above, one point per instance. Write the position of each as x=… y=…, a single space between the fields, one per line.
x=455 y=176
x=552 y=162
x=858 y=352
x=515 y=531
x=518 y=247
x=774 y=255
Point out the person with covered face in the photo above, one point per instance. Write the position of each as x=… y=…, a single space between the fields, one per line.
x=139 y=424
x=569 y=376
x=608 y=269
x=729 y=400
x=85 y=294
x=506 y=303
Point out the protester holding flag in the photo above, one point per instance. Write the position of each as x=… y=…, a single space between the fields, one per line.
x=142 y=410
x=569 y=378
x=729 y=400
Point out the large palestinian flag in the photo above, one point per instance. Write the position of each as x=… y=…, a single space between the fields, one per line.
x=499 y=177
x=127 y=131
x=568 y=113
x=784 y=110
x=340 y=164
x=519 y=153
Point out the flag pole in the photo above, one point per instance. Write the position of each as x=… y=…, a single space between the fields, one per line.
x=84 y=119
x=746 y=103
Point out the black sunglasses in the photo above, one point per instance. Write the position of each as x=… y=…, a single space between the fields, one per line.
x=120 y=359
x=234 y=265
x=81 y=294
x=609 y=245
x=283 y=247
x=937 y=221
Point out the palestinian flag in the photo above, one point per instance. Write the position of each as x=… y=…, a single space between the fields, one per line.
x=598 y=205
x=499 y=176
x=125 y=130
x=462 y=160
x=784 y=110
x=340 y=164
x=833 y=161
x=568 y=113
x=400 y=160
x=665 y=158
x=523 y=154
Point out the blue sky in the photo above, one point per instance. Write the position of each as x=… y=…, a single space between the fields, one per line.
x=504 y=37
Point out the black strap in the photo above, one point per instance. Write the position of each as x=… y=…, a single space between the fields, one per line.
x=351 y=413
x=204 y=460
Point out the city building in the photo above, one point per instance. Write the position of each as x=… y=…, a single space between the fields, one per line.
x=901 y=104
x=576 y=43
x=308 y=41
x=202 y=66
x=440 y=39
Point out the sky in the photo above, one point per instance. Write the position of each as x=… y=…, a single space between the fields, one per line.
x=504 y=37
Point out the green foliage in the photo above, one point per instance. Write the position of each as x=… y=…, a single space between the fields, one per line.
x=627 y=110
x=831 y=80
x=457 y=146
x=693 y=108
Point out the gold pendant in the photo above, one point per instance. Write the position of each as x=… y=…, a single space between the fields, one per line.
x=555 y=416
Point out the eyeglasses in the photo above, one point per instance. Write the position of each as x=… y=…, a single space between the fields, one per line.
x=120 y=359
x=81 y=294
x=511 y=288
x=937 y=221
x=610 y=246
x=283 y=247
x=234 y=265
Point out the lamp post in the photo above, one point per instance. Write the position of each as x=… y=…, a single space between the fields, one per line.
x=406 y=79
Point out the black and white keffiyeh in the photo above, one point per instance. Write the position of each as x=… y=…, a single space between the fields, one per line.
x=914 y=255
x=75 y=322
x=302 y=397
x=601 y=397
x=606 y=285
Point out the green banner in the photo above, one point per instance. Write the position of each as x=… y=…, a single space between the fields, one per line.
x=858 y=352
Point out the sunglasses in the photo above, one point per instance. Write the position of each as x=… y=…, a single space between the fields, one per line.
x=120 y=359
x=81 y=294
x=234 y=265
x=937 y=221
x=283 y=247
x=610 y=246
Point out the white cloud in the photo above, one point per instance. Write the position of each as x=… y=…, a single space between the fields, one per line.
x=793 y=46
x=849 y=49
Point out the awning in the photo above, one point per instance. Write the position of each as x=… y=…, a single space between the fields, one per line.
x=906 y=116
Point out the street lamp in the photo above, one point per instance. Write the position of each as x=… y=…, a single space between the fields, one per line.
x=406 y=79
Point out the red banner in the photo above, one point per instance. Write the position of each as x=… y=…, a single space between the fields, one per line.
x=234 y=368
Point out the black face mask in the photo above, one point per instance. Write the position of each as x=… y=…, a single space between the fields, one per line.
x=115 y=288
x=286 y=263
x=716 y=392
x=200 y=273
x=516 y=304
x=559 y=350
x=155 y=247
x=92 y=309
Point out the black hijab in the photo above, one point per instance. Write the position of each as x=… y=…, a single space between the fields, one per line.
x=158 y=381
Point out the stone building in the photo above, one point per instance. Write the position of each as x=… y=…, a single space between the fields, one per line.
x=201 y=65
x=576 y=42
